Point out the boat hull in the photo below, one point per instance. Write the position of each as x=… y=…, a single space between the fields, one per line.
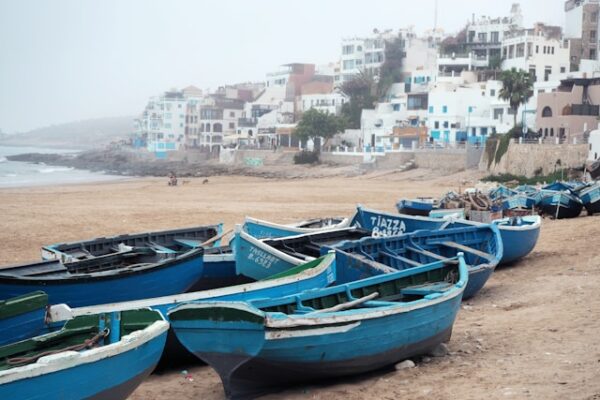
x=518 y=241
x=269 y=230
x=22 y=326
x=111 y=378
x=561 y=205
x=267 y=361
x=177 y=277
x=414 y=207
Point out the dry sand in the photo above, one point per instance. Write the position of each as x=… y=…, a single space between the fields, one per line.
x=532 y=332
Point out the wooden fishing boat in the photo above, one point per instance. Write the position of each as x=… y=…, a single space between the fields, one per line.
x=264 y=229
x=560 y=204
x=418 y=206
x=266 y=345
x=482 y=247
x=519 y=235
x=132 y=274
x=519 y=201
x=501 y=192
x=91 y=357
x=169 y=242
x=22 y=317
x=319 y=273
x=258 y=259
x=590 y=197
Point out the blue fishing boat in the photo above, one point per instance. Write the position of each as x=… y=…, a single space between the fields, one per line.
x=482 y=247
x=169 y=242
x=559 y=186
x=258 y=259
x=418 y=206
x=519 y=201
x=103 y=357
x=267 y=345
x=22 y=317
x=560 y=204
x=501 y=192
x=519 y=235
x=130 y=275
x=456 y=213
x=590 y=197
x=264 y=229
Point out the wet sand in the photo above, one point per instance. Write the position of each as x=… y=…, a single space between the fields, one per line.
x=532 y=332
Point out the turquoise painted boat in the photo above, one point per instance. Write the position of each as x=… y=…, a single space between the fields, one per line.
x=264 y=229
x=590 y=197
x=22 y=317
x=419 y=206
x=519 y=235
x=92 y=357
x=560 y=204
x=269 y=344
x=257 y=258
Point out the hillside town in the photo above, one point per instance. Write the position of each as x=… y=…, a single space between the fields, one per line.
x=400 y=90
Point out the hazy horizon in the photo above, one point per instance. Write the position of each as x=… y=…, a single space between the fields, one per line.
x=66 y=61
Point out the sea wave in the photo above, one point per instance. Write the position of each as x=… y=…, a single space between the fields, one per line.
x=54 y=169
x=3 y=159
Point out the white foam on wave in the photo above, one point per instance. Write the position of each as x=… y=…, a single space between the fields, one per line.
x=54 y=169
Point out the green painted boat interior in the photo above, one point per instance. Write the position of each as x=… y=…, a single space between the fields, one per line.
x=75 y=332
x=296 y=270
x=403 y=289
x=23 y=304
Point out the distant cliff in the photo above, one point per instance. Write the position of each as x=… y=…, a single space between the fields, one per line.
x=86 y=134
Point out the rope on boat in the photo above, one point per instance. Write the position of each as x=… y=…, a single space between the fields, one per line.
x=87 y=344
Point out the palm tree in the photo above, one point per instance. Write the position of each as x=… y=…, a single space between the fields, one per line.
x=517 y=89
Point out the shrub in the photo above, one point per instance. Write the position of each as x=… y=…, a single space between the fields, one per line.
x=306 y=157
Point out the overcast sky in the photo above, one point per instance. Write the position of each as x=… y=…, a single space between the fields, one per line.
x=62 y=61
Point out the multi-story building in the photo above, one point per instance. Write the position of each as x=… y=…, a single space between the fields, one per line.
x=485 y=35
x=162 y=124
x=362 y=54
x=582 y=24
x=539 y=51
x=570 y=111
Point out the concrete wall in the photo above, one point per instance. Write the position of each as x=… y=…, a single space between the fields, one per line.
x=394 y=160
x=442 y=160
x=527 y=159
x=341 y=159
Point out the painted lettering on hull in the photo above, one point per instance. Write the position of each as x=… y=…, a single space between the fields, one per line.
x=261 y=258
x=383 y=226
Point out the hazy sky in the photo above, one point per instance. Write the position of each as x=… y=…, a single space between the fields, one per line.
x=62 y=61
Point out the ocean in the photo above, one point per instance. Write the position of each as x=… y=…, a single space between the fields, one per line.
x=19 y=174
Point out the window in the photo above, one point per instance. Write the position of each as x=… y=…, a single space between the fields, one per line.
x=349 y=64
x=396 y=107
x=436 y=125
x=178 y=105
x=167 y=126
x=358 y=62
x=482 y=37
x=349 y=49
x=368 y=58
x=495 y=37
x=493 y=93
x=532 y=73
x=537 y=49
x=498 y=113
x=546 y=112
x=446 y=125
x=168 y=115
x=231 y=125
x=521 y=50
x=563 y=70
x=592 y=54
x=430 y=109
x=358 y=48
x=551 y=131
x=547 y=73
x=594 y=16
x=445 y=109
x=232 y=114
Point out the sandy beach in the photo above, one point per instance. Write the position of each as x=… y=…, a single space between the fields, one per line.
x=532 y=332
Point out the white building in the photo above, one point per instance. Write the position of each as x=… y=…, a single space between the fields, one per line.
x=362 y=54
x=485 y=35
x=162 y=124
x=582 y=26
x=467 y=112
x=327 y=102
x=536 y=54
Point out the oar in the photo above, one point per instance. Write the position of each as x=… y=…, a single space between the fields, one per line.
x=347 y=305
x=215 y=238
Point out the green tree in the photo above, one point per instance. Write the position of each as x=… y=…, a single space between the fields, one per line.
x=517 y=89
x=315 y=123
x=362 y=91
x=391 y=69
